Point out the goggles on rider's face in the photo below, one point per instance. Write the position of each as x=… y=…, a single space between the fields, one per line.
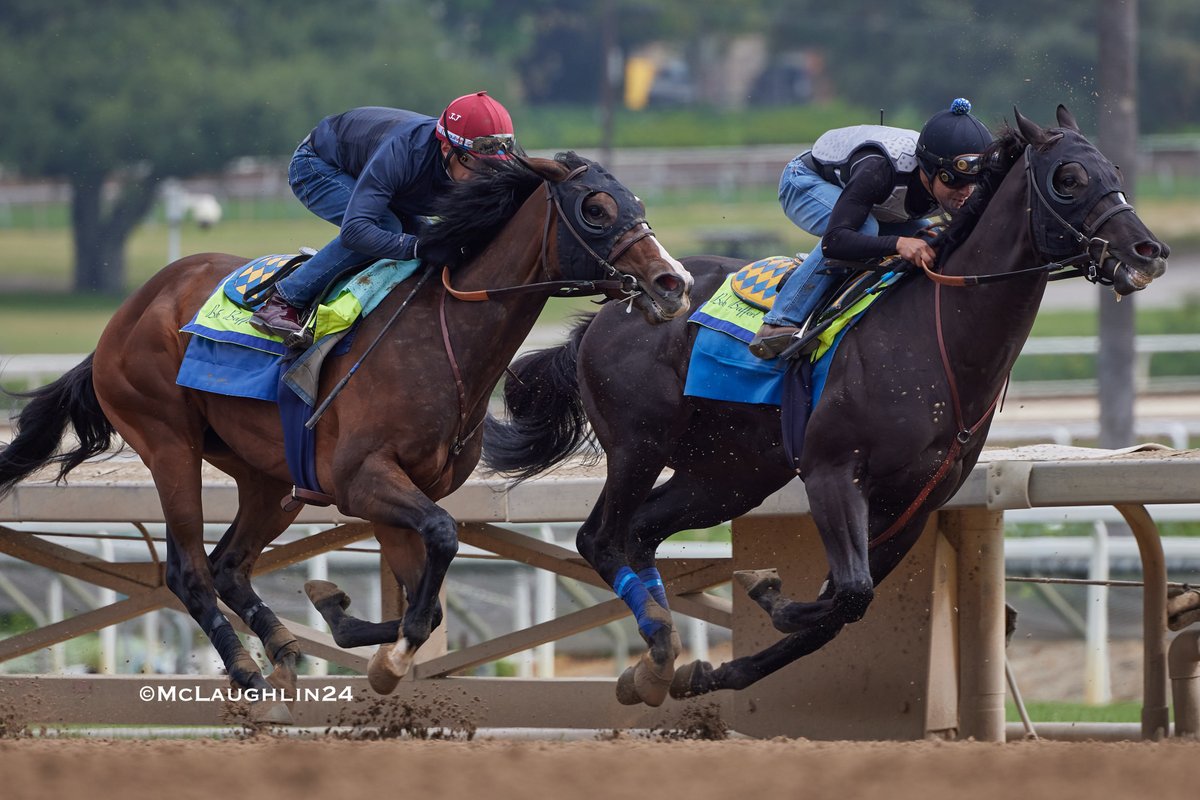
x=500 y=144
x=495 y=145
x=962 y=169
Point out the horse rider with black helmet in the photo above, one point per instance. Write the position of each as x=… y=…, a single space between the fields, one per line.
x=866 y=191
x=376 y=172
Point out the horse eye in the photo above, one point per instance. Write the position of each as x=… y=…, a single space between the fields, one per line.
x=1069 y=180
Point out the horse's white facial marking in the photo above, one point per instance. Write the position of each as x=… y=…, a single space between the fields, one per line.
x=676 y=267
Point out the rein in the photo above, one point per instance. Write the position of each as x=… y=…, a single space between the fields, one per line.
x=1086 y=264
x=561 y=288
x=964 y=435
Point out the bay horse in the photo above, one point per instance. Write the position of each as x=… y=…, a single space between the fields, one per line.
x=904 y=414
x=401 y=435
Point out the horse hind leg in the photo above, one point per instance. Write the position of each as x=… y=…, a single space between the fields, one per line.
x=190 y=579
x=258 y=522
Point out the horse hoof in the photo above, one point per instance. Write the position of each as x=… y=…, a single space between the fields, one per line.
x=379 y=671
x=390 y=663
x=688 y=678
x=756 y=582
x=652 y=681
x=273 y=713
x=627 y=693
x=324 y=591
x=283 y=677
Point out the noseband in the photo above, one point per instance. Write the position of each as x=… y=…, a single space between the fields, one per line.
x=1070 y=239
x=617 y=240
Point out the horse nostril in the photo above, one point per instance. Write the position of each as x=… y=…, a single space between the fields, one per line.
x=1148 y=249
x=668 y=284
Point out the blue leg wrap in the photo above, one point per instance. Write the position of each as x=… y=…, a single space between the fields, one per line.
x=630 y=589
x=654 y=584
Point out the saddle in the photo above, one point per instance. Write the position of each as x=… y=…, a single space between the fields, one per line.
x=251 y=285
x=757 y=284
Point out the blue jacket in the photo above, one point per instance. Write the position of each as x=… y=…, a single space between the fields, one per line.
x=397 y=164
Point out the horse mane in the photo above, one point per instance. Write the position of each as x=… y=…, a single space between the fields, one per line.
x=472 y=213
x=999 y=159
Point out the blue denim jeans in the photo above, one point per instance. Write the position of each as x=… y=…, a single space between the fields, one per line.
x=808 y=201
x=324 y=190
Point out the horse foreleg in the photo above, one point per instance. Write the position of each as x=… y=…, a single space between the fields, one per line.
x=381 y=492
x=813 y=624
x=348 y=631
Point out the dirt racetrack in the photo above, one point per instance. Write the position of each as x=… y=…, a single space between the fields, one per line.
x=624 y=767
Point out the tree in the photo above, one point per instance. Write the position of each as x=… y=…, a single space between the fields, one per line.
x=557 y=46
x=916 y=55
x=115 y=97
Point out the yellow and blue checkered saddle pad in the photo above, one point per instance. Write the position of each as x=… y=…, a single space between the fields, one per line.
x=252 y=275
x=757 y=283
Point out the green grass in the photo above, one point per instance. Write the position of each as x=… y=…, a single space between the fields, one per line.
x=1075 y=712
x=39 y=315
x=549 y=127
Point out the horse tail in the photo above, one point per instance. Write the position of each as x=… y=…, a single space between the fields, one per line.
x=42 y=424
x=546 y=419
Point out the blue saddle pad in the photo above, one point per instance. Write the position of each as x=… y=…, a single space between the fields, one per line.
x=723 y=368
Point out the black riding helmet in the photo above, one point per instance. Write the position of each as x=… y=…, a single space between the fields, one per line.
x=950 y=144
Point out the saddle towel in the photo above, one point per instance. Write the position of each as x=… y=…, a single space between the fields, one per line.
x=722 y=366
x=226 y=355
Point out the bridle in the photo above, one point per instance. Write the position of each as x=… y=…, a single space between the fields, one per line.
x=1085 y=264
x=619 y=240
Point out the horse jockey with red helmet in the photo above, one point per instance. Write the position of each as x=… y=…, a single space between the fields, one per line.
x=866 y=191
x=376 y=172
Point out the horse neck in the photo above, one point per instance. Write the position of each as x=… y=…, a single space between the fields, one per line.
x=986 y=326
x=487 y=334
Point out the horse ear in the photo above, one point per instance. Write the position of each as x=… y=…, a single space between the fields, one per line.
x=1030 y=131
x=1066 y=119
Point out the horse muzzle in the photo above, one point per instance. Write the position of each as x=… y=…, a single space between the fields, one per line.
x=1135 y=270
x=666 y=292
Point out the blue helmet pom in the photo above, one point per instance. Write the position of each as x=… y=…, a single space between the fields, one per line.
x=961 y=105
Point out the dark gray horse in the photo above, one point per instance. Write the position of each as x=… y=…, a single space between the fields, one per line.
x=899 y=426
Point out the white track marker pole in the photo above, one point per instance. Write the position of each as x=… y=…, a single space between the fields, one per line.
x=1097 y=682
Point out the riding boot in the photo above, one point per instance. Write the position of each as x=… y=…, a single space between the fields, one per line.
x=771 y=340
x=276 y=317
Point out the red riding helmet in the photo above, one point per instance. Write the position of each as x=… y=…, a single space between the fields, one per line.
x=479 y=125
